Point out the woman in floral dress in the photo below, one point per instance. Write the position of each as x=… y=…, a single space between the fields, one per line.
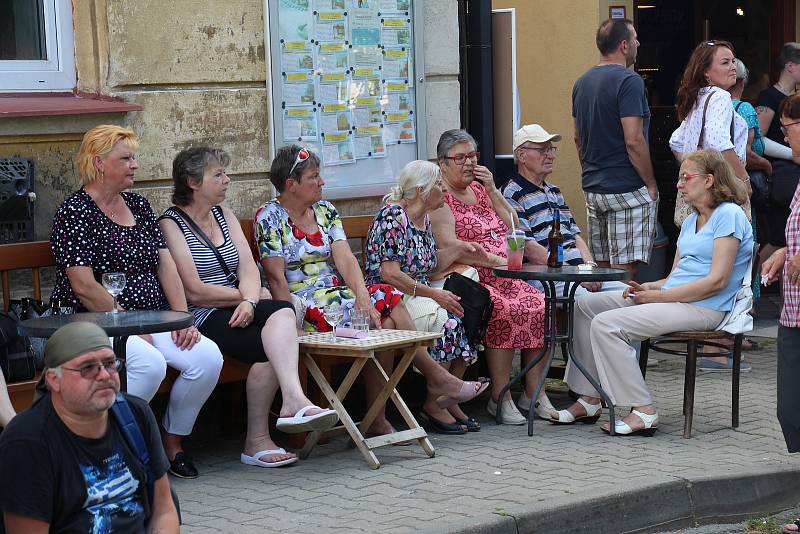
x=479 y=214
x=402 y=251
x=304 y=251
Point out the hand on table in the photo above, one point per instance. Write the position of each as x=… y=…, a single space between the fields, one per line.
x=365 y=303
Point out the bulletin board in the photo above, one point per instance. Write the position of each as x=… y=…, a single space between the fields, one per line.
x=345 y=81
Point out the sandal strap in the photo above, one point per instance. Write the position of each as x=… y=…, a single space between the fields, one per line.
x=591 y=409
x=646 y=418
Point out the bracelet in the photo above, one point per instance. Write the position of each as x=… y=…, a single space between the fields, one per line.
x=414 y=292
x=592 y=263
x=252 y=303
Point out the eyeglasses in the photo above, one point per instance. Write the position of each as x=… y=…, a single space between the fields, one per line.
x=550 y=150
x=685 y=177
x=460 y=159
x=785 y=126
x=302 y=155
x=90 y=371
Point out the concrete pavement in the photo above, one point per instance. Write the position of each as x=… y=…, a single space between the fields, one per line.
x=563 y=479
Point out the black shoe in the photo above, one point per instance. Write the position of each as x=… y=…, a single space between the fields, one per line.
x=183 y=467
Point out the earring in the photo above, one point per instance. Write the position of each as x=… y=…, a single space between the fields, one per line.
x=102 y=176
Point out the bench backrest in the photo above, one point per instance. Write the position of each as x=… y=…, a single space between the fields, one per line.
x=16 y=256
x=36 y=255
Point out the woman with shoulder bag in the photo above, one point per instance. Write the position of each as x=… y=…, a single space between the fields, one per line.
x=708 y=119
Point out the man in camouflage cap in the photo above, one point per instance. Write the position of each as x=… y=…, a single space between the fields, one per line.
x=65 y=463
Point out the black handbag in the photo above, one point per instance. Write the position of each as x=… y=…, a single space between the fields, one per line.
x=16 y=357
x=477 y=305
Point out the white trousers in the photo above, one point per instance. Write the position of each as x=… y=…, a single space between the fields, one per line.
x=199 y=368
x=606 y=325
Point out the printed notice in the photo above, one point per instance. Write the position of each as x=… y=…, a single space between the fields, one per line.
x=395 y=63
x=337 y=149
x=296 y=20
x=395 y=31
x=362 y=4
x=366 y=56
x=296 y=60
x=366 y=87
x=394 y=6
x=369 y=143
x=333 y=56
x=298 y=88
x=400 y=101
x=300 y=124
x=367 y=116
x=336 y=122
x=399 y=128
x=330 y=26
x=333 y=88
x=329 y=5
x=365 y=29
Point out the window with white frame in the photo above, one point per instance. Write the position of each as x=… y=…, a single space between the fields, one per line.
x=36 y=45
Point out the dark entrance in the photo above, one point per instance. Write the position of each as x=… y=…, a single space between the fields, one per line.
x=668 y=32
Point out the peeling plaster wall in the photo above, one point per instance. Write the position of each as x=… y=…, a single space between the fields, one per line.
x=198 y=70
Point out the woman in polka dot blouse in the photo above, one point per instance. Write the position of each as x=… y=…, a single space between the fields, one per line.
x=103 y=228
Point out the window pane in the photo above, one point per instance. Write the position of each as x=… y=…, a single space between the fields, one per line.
x=22 y=34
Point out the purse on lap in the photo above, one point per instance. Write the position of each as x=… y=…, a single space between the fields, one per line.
x=477 y=306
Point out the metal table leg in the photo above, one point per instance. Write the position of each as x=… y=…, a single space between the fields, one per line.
x=120 y=349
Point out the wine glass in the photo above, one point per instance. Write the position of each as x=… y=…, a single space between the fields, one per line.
x=333 y=314
x=114 y=284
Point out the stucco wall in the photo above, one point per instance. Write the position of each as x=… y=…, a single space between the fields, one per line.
x=198 y=70
x=549 y=60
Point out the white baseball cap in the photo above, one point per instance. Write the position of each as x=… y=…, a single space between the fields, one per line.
x=533 y=133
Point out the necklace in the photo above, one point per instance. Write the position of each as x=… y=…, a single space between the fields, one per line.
x=780 y=88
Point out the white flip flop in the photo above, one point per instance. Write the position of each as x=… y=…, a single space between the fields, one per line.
x=300 y=422
x=254 y=460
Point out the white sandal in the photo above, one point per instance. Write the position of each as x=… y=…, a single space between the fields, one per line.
x=593 y=412
x=650 y=425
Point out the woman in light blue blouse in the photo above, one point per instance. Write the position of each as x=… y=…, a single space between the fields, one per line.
x=714 y=250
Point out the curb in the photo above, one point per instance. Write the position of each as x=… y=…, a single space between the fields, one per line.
x=655 y=506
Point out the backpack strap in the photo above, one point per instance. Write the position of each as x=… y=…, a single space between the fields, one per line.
x=135 y=440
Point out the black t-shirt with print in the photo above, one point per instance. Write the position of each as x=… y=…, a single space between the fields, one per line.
x=73 y=483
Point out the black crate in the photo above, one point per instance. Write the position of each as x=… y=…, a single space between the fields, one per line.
x=16 y=200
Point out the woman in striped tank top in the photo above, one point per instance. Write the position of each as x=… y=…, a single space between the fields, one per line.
x=223 y=289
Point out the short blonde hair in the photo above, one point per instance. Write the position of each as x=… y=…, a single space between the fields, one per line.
x=727 y=186
x=99 y=141
x=418 y=173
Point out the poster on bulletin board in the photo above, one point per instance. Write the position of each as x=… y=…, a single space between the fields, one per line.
x=342 y=83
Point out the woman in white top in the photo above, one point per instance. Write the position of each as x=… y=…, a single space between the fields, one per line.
x=704 y=86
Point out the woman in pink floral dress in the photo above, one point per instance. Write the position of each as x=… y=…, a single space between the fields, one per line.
x=479 y=214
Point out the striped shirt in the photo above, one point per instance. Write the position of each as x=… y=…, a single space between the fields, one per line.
x=790 y=316
x=535 y=207
x=208 y=267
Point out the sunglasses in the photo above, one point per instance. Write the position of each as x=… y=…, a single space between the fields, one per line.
x=91 y=370
x=785 y=126
x=685 y=177
x=302 y=155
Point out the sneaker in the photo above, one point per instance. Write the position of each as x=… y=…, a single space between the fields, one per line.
x=710 y=366
x=510 y=415
x=183 y=467
x=541 y=408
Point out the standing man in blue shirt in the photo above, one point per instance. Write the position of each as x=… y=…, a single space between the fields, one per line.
x=612 y=118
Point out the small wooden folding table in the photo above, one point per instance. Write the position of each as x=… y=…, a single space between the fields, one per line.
x=362 y=351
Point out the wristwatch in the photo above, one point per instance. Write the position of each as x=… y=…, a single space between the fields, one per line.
x=252 y=303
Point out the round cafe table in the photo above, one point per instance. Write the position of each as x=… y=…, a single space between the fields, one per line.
x=572 y=277
x=118 y=325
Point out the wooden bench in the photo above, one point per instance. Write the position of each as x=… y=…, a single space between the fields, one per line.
x=37 y=255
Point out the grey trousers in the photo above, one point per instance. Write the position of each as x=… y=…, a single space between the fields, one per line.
x=606 y=326
x=789 y=385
